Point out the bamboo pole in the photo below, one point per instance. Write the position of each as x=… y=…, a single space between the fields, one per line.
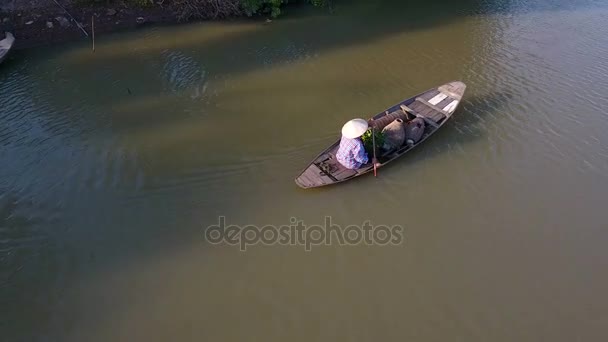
x=374 y=159
x=93 y=30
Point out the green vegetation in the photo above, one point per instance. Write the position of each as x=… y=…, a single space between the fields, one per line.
x=110 y=3
x=203 y=9
x=271 y=7
x=368 y=143
x=141 y=3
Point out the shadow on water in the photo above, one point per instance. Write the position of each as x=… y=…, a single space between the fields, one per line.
x=203 y=54
x=293 y=36
x=466 y=127
x=476 y=110
x=246 y=46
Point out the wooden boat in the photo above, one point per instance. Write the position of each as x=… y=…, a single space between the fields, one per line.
x=434 y=106
x=6 y=45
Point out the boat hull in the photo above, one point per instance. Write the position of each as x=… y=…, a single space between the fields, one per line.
x=435 y=106
x=6 y=45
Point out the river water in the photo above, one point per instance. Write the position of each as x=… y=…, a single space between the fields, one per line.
x=112 y=164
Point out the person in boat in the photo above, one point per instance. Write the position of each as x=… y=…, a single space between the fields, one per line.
x=351 y=153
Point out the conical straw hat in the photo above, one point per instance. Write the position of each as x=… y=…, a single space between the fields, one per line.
x=354 y=128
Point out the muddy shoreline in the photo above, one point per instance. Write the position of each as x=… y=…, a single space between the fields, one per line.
x=38 y=23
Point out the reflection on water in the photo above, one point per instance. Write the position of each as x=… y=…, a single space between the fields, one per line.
x=114 y=162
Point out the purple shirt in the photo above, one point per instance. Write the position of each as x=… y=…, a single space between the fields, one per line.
x=351 y=153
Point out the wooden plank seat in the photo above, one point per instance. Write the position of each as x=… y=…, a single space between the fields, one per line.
x=313 y=175
x=428 y=121
x=428 y=111
x=332 y=166
x=429 y=104
x=430 y=94
x=341 y=172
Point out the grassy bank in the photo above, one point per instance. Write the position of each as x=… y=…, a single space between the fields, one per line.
x=42 y=22
x=206 y=9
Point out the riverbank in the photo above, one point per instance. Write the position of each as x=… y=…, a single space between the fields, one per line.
x=37 y=23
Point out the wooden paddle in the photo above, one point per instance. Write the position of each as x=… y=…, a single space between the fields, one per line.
x=374 y=160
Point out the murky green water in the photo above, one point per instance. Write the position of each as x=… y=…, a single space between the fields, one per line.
x=112 y=164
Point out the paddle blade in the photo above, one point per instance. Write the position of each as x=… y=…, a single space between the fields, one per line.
x=375 y=167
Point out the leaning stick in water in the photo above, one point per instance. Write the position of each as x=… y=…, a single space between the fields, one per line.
x=74 y=20
x=93 y=30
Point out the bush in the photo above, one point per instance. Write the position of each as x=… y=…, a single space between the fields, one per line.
x=207 y=9
x=142 y=3
x=271 y=7
x=368 y=142
x=139 y=3
x=214 y=9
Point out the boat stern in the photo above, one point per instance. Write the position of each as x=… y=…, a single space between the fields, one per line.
x=313 y=177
